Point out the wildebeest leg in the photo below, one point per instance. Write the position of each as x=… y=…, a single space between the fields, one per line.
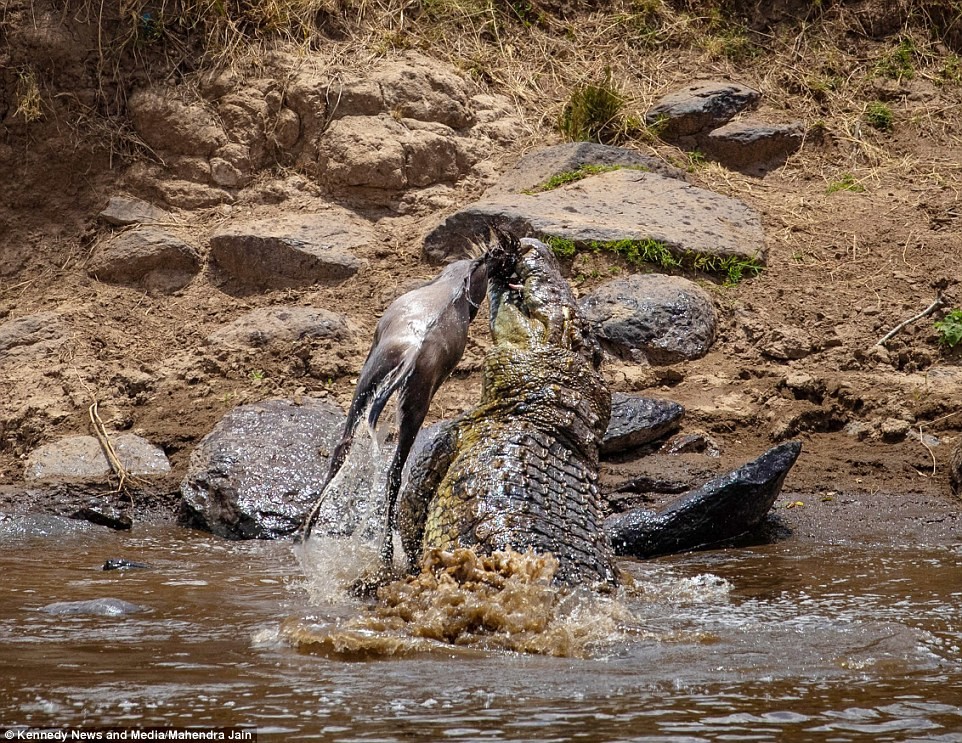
x=376 y=370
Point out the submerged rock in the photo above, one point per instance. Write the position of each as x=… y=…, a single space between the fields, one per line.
x=258 y=472
x=723 y=508
x=105 y=607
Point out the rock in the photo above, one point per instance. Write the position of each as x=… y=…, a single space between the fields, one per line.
x=148 y=257
x=186 y=194
x=751 y=145
x=267 y=325
x=955 y=469
x=168 y=124
x=383 y=153
x=611 y=207
x=699 y=108
x=665 y=318
x=289 y=251
x=104 y=513
x=82 y=458
x=424 y=89
x=122 y=563
x=638 y=420
x=537 y=167
x=257 y=473
x=894 y=429
x=31 y=335
x=786 y=343
x=124 y=210
x=722 y=509
x=40 y=525
x=697 y=442
x=105 y=607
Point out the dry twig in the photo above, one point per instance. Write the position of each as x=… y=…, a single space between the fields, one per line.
x=927 y=311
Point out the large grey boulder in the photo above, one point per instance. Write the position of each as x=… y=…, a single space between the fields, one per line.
x=148 y=257
x=267 y=325
x=607 y=208
x=698 y=108
x=289 y=251
x=83 y=458
x=258 y=472
x=664 y=318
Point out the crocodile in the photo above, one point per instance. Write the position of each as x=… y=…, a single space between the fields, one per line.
x=520 y=471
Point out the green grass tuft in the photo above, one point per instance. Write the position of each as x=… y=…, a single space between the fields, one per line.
x=880 y=116
x=593 y=113
x=579 y=173
x=845 y=182
x=950 y=329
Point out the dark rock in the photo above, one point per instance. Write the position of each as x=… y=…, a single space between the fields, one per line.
x=955 y=469
x=258 y=472
x=31 y=335
x=638 y=420
x=611 y=207
x=295 y=250
x=82 y=458
x=722 y=509
x=148 y=257
x=699 y=107
x=267 y=325
x=537 y=167
x=105 y=607
x=125 y=210
x=104 y=514
x=122 y=563
x=748 y=145
x=665 y=318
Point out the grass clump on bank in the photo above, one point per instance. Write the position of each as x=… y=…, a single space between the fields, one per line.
x=648 y=251
x=594 y=113
x=580 y=173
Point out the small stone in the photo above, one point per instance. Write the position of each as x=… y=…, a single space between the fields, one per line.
x=894 y=429
x=124 y=210
x=699 y=107
x=638 y=420
x=149 y=257
x=694 y=442
x=82 y=458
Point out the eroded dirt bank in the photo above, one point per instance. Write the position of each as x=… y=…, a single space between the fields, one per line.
x=861 y=227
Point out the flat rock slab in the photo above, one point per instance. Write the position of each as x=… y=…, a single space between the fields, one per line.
x=722 y=509
x=664 y=318
x=289 y=251
x=611 y=207
x=258 y=472
x=698 y=108
x=536 y=168
x=747 y=144
x=82 y=458
x=148 y=257
x=122 y=211
x=267 y=325
x=636 y=421
x=31 y=335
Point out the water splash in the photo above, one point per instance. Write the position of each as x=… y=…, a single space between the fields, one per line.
x=465 y=602
x=347 y=538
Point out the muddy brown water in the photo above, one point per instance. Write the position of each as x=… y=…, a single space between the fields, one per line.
x=780 y=642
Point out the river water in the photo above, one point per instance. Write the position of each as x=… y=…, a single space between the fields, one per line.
x=794 y=641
